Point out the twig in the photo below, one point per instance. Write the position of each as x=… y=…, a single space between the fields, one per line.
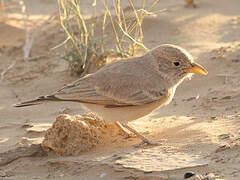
x=34 y=33
x=30 y=34
x=6 y=70
x=135 y=41
x=113 y=26
x=61 y=44
x=29 y=38
x=153 y=13
x=84 y=40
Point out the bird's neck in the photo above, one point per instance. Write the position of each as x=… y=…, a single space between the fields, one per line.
x=171 y=82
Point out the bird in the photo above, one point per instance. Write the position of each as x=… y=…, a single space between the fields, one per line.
x=131 y=88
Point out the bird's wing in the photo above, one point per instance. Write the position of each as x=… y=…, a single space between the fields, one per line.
x=114 y=89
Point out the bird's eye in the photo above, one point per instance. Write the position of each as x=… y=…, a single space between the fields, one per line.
x=176 y=63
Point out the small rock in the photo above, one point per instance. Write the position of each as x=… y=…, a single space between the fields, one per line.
x=71 y=135
x=3 y=174
x=102 y=175
x=225 y=136
x=223 y=148
x=214 y=98
x=227 y=97
x=38 y=128
x=236 y=60
x=193 y=176
x=188 y=175
x=36 y=177
x=26 y=125
x=192 y=98
x=213 y=117
x=64 y=111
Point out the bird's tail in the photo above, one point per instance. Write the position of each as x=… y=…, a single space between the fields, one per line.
x=37 y=101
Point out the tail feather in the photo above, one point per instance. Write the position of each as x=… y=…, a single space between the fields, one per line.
x=37 y=101
x=42 y=99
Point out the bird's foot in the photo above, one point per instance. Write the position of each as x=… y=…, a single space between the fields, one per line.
x=147 y=142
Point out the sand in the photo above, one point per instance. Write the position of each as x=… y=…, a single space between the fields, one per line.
x=199 y=130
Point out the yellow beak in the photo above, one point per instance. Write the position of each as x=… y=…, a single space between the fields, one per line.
x=197 y=69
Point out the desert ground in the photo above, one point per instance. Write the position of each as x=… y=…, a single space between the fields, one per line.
x=199 y=130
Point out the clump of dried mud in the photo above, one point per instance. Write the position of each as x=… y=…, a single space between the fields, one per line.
x=71 y=135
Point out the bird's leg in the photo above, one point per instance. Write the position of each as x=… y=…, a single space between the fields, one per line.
x=122 y=129
x=144 y=139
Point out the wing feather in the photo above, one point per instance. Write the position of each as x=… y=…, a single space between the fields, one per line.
x=102 y=88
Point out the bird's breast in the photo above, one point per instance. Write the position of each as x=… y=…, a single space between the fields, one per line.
x=170 y=95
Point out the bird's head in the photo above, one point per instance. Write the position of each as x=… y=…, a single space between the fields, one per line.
x=175 y=64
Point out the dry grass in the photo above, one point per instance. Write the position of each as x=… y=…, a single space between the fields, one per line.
x=87 y=47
